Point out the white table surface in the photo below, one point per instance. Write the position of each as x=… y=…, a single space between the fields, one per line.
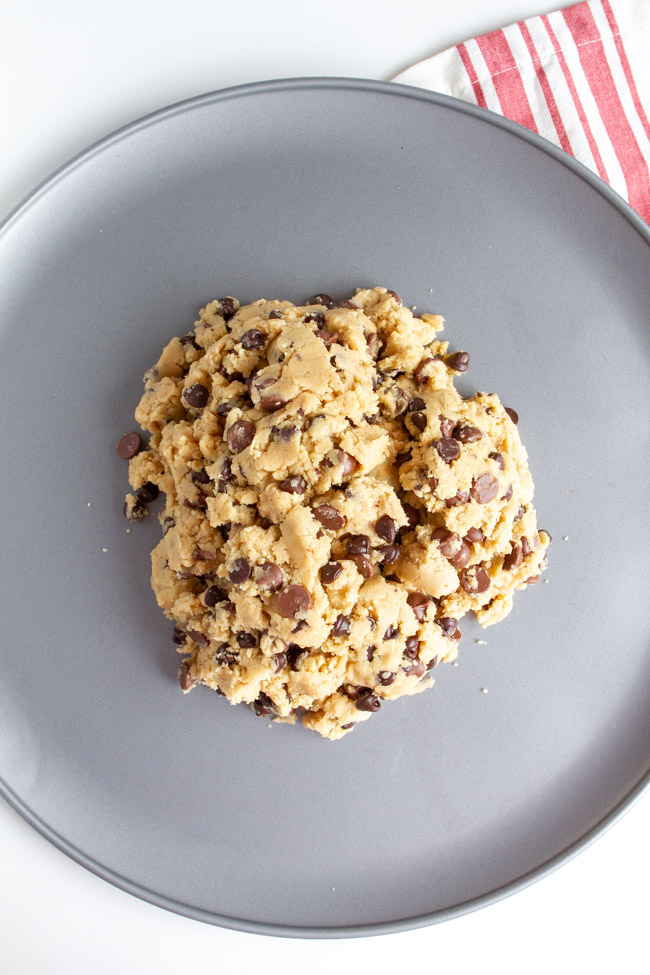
x=70 y=72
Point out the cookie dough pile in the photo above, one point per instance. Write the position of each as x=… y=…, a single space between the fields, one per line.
x=333 y=505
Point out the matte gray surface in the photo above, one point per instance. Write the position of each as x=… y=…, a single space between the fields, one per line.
x=283 y=190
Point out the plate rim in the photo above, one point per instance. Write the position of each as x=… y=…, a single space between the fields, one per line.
x=624 y=803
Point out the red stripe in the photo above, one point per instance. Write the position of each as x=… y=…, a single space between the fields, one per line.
x=472 y=75
x=546 y=89
x=507 y=80
x=602 y=172
x=580 y=21
x=625 y=64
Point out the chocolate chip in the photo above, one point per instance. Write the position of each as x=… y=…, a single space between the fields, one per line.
x=416 y=669
x=224 y=655
x=317 y=317
x=341 y=626
x=280 y=661
x=373 y=344
x=253 y=339
x=196 y=396
x=199 y=638
x=392 y=632
x=295 y=654
x=358 y=545
x=330 y=572
x=225 y=473
x=514 y=558
x=412 y=647
x=447 y=624
x=202 y=555
x=416 y=405
x=514 y=416
x=240 y=571
x=328 y=338
x=460 y=497
x=447 y=449
x=521 y=511
x=418 y=603
x=446 y=426
x=329 y=517
x=350 y=724
x=167 y=524
x=508 y=494
x=225 y=531
x=190 y=340
x=466 y=433
x=263 y=705
x=224 y=409
x=432 y=663
x=368 y=702
x=301 y=625
x=293 y=600
x=533 y=580
x=443 y=536
x=420 y=372
x=459 y=361
x=240 y=435
x=322 y=299
x=401 y=401
x=498 y=458
x=283 y=433
x=185 y=678
x=129 y=445
x=348 y=463
x=200 y=477
x=455 y=550
x=386 y=528
x=412 y=515
x=394 y=295
x=178 y=636
x=386 y=677
x=419 y=421
x=270 y=576
x=474 y=535
x=272 y=402
x=389 y=554
x=246 y=640
x=485 y=488
x=348 y=304
x=474 y=579
x=364 y=565
x=135 y=512
x=214 y=595
x=370 y=652
x=525 y=546
x=403 y=458
x=227 y=307
x=275 y=314
x=294 y=485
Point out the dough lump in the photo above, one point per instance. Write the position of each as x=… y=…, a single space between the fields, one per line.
x=333 y=506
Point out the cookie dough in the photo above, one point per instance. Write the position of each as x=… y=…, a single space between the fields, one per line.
x=333 y=506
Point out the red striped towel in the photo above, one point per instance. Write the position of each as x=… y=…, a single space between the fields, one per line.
x=580 y=77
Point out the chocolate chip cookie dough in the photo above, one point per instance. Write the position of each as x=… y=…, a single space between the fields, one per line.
x=333 y=506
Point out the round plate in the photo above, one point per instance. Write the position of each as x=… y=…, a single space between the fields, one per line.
x=440 y=803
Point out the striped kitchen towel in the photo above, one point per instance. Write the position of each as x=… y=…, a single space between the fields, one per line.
x=580 y=77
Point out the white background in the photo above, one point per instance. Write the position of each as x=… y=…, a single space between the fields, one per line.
x=70 y=72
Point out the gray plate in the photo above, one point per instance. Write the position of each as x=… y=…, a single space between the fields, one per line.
x=441 y=803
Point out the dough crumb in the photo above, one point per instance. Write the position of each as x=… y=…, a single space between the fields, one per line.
x=333 y=506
